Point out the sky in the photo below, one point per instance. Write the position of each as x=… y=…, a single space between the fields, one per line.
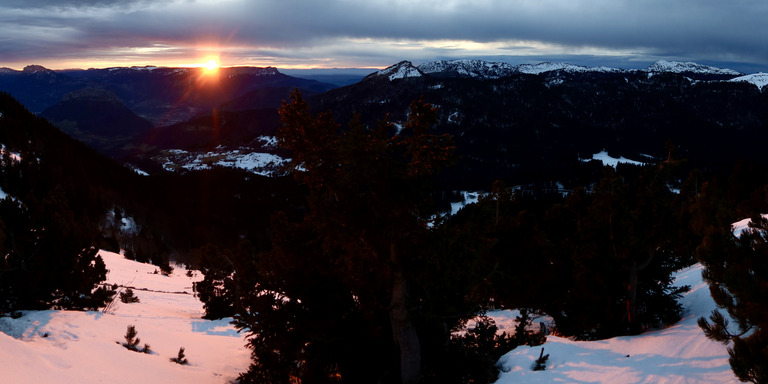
x=377 y=33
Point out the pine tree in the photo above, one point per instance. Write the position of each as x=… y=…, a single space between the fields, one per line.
x=736 y=270
x=180 y=357
x=128 y=296
x=131 y=341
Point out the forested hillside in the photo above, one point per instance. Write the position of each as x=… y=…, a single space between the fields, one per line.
x=57 y=189
x=62 y=199
x=534 y=127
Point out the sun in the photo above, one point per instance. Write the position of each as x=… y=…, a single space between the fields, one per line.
x=211 y=66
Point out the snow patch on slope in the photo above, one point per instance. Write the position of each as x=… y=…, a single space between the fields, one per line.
x=742 y=225
x=468 y=197
x=606 y=159
x=260 y=163
x=678 y=354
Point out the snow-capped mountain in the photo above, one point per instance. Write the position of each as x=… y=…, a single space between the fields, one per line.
x=537 y=69
x=401 y=70
x=469 y=68
x=481 y=69
x=688 y=67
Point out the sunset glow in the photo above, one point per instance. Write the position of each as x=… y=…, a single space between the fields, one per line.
x=211 y=66
x=344 y=34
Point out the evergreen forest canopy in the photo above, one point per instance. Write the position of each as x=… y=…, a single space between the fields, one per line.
x=346 y=271
x=363 y=275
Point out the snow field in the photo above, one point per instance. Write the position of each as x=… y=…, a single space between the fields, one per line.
x=82 y=347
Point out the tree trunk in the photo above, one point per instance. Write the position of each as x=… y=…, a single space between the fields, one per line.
x=632 y=300
x=403 y=330
x=632 y=320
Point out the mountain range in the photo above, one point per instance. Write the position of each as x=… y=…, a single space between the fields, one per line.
x=520 y=122
x=494 y=70
x=534 y=122
x=113 y=109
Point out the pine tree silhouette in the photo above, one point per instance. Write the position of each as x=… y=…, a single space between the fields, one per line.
x=180 y=358
x=131 y=341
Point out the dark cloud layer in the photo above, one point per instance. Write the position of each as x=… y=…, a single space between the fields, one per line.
x=378 y=33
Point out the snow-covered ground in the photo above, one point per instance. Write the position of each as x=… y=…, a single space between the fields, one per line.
x=81 y=347
x=606 y=159
x=260 y=163
x=468 y=198
x=760 y=80
x=678 y=354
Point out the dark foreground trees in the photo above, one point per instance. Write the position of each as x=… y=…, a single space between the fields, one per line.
x=362 y=289
x=48 y=220
x=357 y=291
x=599 y=260
x=737 y=272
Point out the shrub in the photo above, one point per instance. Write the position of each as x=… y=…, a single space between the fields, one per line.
x=132 y=342
x=128 y=296
x=180 y=358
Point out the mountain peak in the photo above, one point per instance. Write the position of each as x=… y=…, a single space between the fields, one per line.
x=36 y=69
x=401 y=70
x=689 y=67
x=469 y=68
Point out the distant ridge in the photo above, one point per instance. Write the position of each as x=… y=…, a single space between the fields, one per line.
x=689 y=67
x=481 y=69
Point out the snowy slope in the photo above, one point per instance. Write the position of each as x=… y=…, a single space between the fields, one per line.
x=688 y=67
x=80 y=347
x=248 y=159
x=537 y=69
x=678 y=354
x=493 y=70
x=758 y=79
x=606 y=159
x=401 y=70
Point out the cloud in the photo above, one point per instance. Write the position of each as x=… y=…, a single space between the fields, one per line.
x=367 y=31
